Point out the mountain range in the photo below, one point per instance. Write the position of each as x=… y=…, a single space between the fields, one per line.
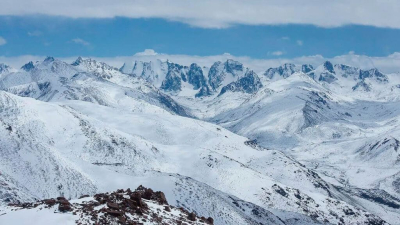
x=296 y=144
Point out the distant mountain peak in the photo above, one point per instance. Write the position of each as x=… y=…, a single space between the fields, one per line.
x=49 y=59
x=284 y=71
x=232 y=66
x=78 y=61
x=329 y=67
x=28 y=67
x=4 y=68
x=250 y=83
x=305 y=68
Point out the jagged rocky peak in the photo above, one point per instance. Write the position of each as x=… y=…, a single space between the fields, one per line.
x=345 y=67
x=78 y=61
x=174 y=77
x=327 y=73
x=49 y=59
x=347 y=71
x=221 y=74
x=196 y=77
x=91 y=65
x=250 y=83
x=233 y=66
x=373 y=73
x=283 y=71
x=306 y=68
x=144 y=69
x=152 y=71
x=28 y=67
x=329 y=67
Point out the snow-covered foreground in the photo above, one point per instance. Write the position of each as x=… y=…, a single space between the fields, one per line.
x=294 y=150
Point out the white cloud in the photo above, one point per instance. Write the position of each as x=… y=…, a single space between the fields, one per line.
x=387 y=64
x=80 y=41
x=299 y=42
x=2 y=41
x=221 y=13
x=285 y=38
x=146 y=52
x=277 y=53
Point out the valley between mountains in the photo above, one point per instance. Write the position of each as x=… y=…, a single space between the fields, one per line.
x=296 y=144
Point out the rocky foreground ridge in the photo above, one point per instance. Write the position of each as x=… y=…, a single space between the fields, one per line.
x=142 y=206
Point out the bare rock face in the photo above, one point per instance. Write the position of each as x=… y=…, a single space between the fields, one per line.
x=120 y=207
x=192 y=216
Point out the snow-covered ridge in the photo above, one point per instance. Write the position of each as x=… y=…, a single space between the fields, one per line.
x=192 y=80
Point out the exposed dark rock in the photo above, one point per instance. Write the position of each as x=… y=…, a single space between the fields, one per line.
x=284 y=71
x=112 y=205
x=192 y=216
x=250 y=83
x=307 y=68
x=84 y=196
x=219 y=70
x=196 y=77
x=49 y=202
x=28 y=67
x=173 y=79
x=329 y=67
x=115 y=212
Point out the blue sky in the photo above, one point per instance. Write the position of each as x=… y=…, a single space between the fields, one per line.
x=260 y=33
x=119 y=36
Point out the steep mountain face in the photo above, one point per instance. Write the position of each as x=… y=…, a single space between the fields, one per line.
x=328 y=73
x=27 y=67
x=283 y=71
x=154 y=72
x=221 y=74
x=196 y=77
x=250 y=83
x=286 y=70
x=173 y=79
x=345 y=75
x=188 y=81
x=307 y=68
x=92 y=66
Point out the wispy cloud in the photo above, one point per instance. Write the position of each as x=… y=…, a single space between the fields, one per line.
x=80 y=41
x=299 y=42
x=35 y=33
x=221 y=13
x=285 y=38
x=277 y=53
x=2 y=41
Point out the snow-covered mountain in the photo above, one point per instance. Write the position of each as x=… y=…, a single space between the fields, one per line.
x=296 y=145
x=193 y=80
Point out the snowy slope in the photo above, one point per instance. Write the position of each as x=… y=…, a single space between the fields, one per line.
x=93 y=138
